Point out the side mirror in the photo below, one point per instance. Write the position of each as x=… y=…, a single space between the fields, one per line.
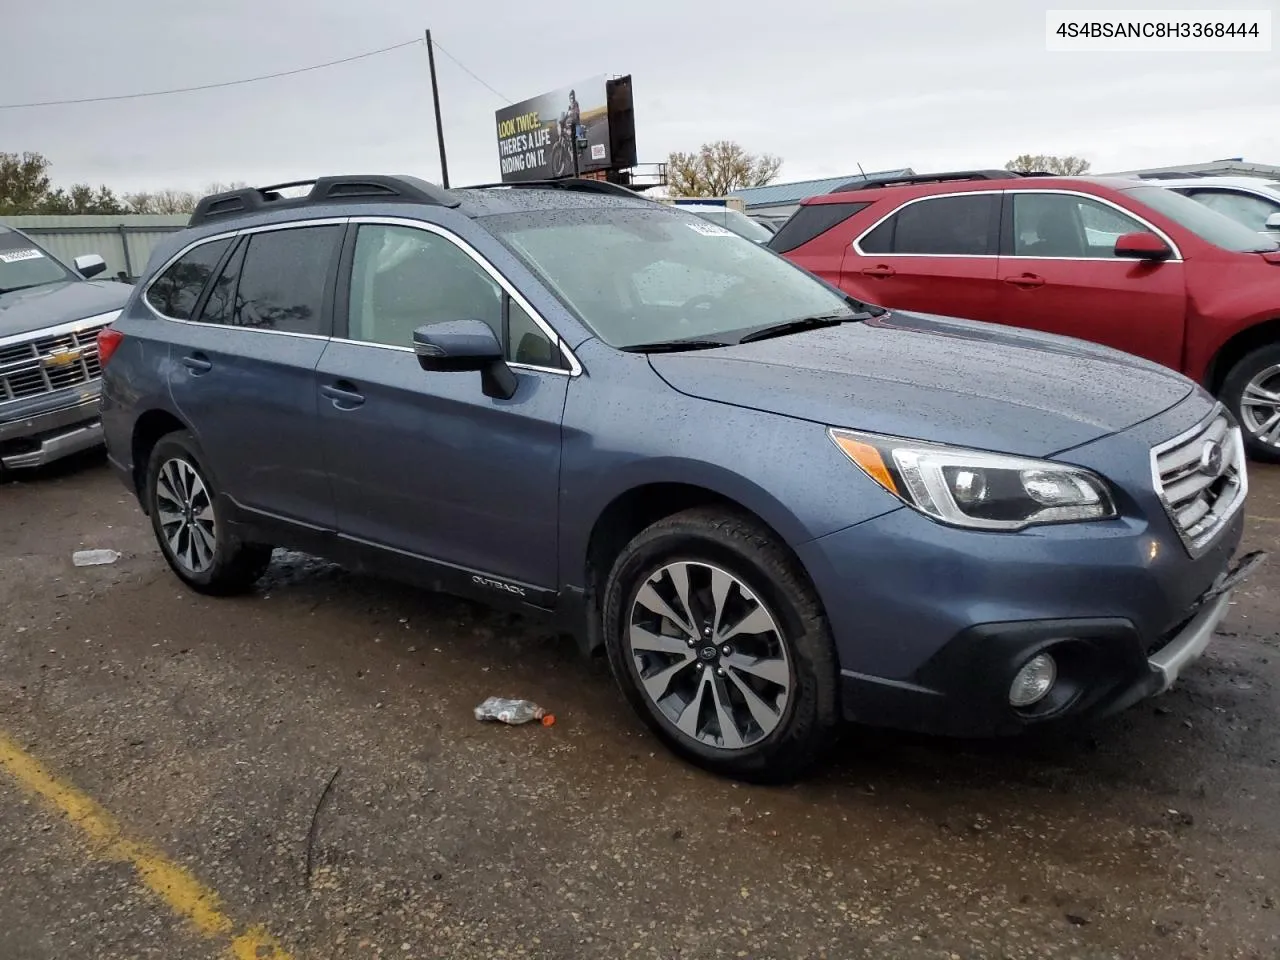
x=89 y=265
x=461 y=345
x=1273 y=221
x=1142 y=246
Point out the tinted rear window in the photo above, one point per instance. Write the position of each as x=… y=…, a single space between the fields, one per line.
x=176 y=291
x=811 y=221
x=956 y=225
x=282 y=282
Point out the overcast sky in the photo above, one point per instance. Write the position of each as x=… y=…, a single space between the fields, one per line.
x=825 y=84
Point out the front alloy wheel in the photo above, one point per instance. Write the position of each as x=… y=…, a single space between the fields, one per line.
x=1251 y=391
x=1260 y=406
x=709 y=655
x=719 y=642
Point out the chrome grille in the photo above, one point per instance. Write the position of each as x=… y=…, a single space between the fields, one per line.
x=47 y=363
x=1201 y=478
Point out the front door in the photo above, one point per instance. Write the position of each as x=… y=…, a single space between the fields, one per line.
x=1059 y=274
x=424 y=463
x=935 y=255
x=243 y=373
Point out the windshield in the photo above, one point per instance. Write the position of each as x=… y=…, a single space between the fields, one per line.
x=1205 y=223
x=23 y=264
x=638 y=276
x=739 y=223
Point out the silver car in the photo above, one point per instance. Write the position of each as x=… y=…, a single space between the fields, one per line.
x=50 y=379
x=1252 y=201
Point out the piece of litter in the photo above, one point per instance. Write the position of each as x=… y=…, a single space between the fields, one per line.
x=514 y=712
x=94 y=558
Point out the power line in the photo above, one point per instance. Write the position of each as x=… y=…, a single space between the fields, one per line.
x=496 y=93
x=227 y=83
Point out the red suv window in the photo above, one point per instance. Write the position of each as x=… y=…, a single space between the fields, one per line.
x=959 y=225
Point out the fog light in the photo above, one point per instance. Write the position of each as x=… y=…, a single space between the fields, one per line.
x=1033 y=681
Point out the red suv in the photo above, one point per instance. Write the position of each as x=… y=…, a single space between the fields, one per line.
x=1124 y=263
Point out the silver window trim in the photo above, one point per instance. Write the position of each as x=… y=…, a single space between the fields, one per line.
x=1176 y=258
x=575 y=368
x=857 y=242
x=232 y=235
x=73 y=326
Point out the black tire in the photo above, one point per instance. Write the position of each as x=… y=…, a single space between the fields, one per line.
x=741 y=547
x=233 y=566
x=1248 y=367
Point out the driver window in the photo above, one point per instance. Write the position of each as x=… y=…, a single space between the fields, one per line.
x=403 y=278
x=1059 y=225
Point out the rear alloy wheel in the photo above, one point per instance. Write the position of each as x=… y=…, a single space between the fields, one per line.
x=1252 y=390
x=185 y=511
x=198 y=545
x=719 y=643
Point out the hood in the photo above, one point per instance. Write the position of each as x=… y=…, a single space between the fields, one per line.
x=35 y=308
x=936 y=378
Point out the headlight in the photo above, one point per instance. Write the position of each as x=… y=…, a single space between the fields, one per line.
x=970 y=488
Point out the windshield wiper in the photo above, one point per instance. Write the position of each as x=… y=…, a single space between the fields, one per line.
x=802 y=323
x=672 y=346
x=25 y=286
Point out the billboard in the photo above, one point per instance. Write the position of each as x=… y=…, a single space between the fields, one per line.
x=536 y=137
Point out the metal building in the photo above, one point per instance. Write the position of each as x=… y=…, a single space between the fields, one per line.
x=125 y=241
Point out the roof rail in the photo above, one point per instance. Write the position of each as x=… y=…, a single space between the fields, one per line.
x=579 y=184
x=324 y=190
x=869 y=183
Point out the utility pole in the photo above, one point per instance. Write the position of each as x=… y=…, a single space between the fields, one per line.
x=435 y=98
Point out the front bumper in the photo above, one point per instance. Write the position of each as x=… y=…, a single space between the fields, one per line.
x=59 y=425
x=932 y=622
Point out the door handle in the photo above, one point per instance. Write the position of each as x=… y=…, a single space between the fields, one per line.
x=1027 y=280
x=197 y=363
x=880 y=271
x=344 y=394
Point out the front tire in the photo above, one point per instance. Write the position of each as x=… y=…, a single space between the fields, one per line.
x=193 y=535
x=1252 y=392
x=720 y=645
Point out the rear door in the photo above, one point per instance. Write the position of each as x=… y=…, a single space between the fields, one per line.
x=934 y=255
x=1059 y=273
x=243 y=368
x=425 y=463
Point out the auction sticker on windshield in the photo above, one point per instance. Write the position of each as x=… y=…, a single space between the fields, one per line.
x=13 y=256
x=709 y=230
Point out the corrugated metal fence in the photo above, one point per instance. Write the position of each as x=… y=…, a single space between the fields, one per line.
x=124 y=241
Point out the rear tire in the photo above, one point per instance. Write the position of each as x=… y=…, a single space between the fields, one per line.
x=1247 y=392
x=759 y=704
x=189 y=524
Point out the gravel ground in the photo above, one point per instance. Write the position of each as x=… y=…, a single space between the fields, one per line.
x=209 y=729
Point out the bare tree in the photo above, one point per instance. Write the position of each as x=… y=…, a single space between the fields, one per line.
x=162 y=201
x=1047 y=163
x=717 y=169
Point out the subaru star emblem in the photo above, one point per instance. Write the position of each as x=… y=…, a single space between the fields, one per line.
x=1211 y=459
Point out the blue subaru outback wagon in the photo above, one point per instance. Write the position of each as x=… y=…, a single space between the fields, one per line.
x=773 y=506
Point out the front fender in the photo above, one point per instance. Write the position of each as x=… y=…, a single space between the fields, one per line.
x=625 y=428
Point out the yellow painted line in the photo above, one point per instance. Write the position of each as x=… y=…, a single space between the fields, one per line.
x=179 y=889
x=1264 y=519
